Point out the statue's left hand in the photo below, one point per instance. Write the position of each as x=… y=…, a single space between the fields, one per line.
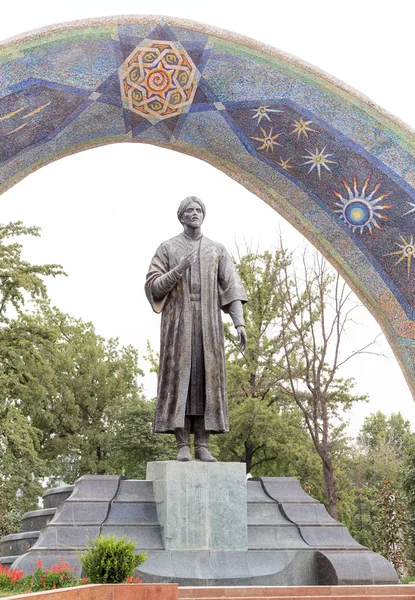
x=241 y=337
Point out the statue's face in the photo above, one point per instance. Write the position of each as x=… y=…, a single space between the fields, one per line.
x=193 y=215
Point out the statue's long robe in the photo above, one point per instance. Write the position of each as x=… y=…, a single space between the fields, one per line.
x=220 y=285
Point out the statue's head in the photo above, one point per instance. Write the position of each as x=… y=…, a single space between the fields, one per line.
x=191 y=211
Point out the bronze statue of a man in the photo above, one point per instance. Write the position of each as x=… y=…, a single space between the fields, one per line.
x=190 y=279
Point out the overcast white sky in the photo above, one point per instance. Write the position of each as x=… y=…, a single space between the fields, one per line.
x=103 y=212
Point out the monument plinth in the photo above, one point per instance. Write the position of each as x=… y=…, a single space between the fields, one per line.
x=200 y=505
x=202 y=524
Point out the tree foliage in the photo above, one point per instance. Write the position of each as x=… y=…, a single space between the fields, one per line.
x=295 y=322
x=72 y=386
x=316 y=312
x=20 y=279
x=135 y=443
x=392 y=532
x=20 y=466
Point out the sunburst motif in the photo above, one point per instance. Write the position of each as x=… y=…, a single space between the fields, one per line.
x=268 y=140
x=317 y=160
x=262 y=113
x=359 y=210
x=301 y=127
x=285 y=164
x=407 y=251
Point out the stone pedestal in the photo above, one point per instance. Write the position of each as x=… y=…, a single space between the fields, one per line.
x=200 y=506
x=202 y=524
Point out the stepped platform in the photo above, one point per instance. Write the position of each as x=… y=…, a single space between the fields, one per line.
x=202 y=525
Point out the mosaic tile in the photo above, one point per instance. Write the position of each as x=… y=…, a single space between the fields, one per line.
x=338 y=168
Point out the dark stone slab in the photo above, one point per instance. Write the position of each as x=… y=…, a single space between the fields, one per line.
x=270 y=537
x=36 y=520
x=52 y=498
x=135 y=491
x=18 y=543
x=230 y=568
x=255 y=493
x=7 y=561
x=229 y=565
x=286 y=489
x=129 y=513
x=271 y=563
x=158 y=568
x=333 y=537
x=81 y=513
x=71 y=537
x=95 y=488
x=146 y=537
x=189 y=565
x=265 y=513
x=307 y=513
x=354 y=568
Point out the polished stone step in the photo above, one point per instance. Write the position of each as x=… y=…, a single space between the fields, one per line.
x=55 y=496
x=275 y=537
x=36 y=520
x=7 y=561
x=18 y=543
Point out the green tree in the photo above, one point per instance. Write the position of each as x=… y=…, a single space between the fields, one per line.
x=378 y=455
x=272 y=442
x=315 y=314
x=391 y=525
x=409 y=490
x=73 y=385
x=253 y=376
x=21 y=469
x=21 y=283
x=19 y=279
x=134 y=442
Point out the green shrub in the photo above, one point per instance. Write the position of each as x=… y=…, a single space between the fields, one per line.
x=110 y=560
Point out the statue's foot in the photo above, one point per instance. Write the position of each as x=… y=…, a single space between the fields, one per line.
x=202 y=453
x=184 y=454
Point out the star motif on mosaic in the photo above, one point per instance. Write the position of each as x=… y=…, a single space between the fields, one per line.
x=285 y=164
x=262 y=113
x=360 y=211
x=407 y=252
x=317 y=160
x=301 y=127
x=268 y=141
x=411 y=210
x=158 y=80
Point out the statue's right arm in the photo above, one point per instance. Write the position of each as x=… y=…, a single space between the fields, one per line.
x=165 y=283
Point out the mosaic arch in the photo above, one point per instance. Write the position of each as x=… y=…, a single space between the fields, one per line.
x=336 y=166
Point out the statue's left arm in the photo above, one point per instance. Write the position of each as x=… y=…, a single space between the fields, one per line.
x=232 y=294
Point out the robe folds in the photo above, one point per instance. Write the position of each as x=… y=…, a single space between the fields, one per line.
x=220 y=285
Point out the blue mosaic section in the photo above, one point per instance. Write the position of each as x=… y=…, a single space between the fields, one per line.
x=345 y=171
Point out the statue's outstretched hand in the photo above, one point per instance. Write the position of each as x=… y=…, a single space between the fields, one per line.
x=241 y=337
x=187 y=260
